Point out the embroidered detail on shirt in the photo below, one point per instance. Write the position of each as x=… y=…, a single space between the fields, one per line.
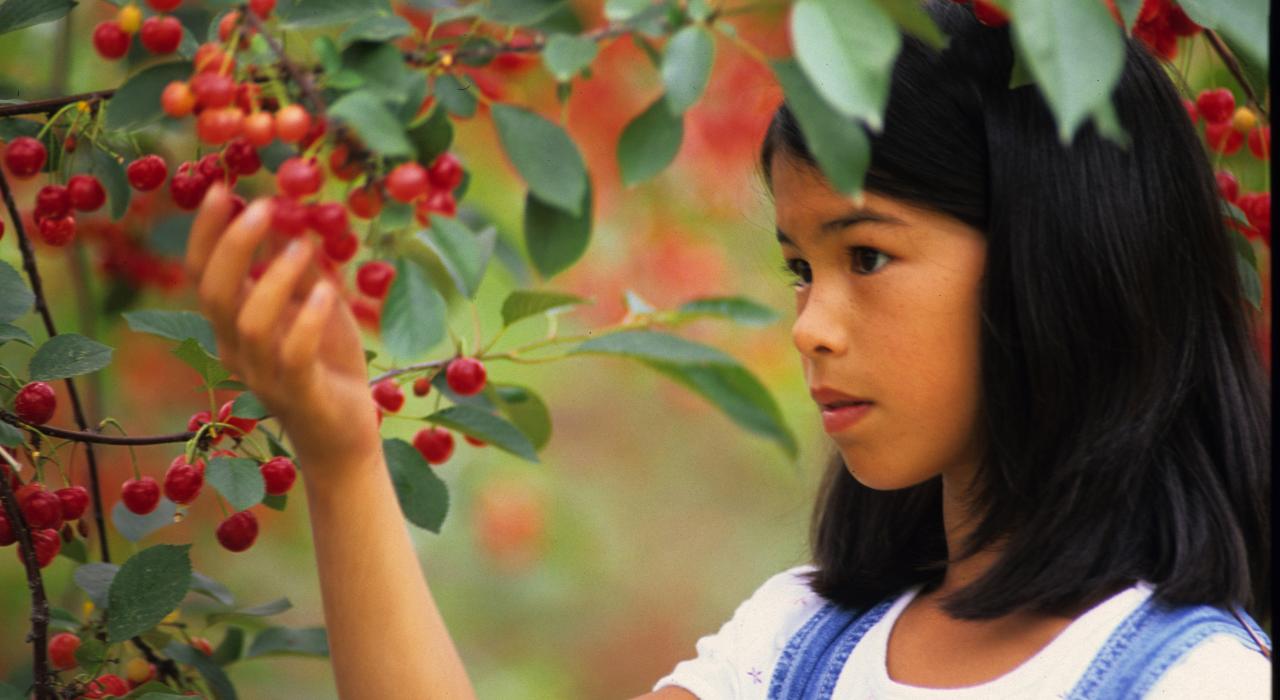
x=755 y=675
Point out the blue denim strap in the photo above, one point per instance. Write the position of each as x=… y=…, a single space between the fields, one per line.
x=1149 y=641
x=815 y=655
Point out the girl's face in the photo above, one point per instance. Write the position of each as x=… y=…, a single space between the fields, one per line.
x=887 y=310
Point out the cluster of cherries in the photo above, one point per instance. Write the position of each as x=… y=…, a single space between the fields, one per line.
x=1160 y=24
x=137 y=671
x=160 y=34
x=1226 y=128
x=55 y=206
x=465 y=376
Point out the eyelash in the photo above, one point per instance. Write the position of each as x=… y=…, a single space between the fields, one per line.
x=854 y=252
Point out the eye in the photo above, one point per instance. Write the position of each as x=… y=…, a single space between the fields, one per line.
x=863 y=255
x=864 y=259
x=797 y=278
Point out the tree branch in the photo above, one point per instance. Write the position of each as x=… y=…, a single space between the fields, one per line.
x=39 y=603
x=95 y=437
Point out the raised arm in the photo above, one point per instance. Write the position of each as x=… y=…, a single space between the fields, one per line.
x=293 y=341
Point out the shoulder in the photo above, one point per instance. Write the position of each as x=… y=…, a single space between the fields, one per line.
x=1220 y=666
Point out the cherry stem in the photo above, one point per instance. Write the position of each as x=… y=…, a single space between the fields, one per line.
x=299 y=76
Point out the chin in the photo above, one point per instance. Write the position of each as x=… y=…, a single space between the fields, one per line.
x=882 y=477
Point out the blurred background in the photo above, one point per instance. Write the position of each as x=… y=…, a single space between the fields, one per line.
x=651 y=516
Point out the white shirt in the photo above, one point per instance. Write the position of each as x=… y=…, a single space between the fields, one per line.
x=737 y=661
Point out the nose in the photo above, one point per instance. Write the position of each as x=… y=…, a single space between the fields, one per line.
x=821 y=325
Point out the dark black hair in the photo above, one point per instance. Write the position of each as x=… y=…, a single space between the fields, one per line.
x=1124 y=407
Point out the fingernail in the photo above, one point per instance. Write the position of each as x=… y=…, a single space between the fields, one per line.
x=320 y=294
x=294 y=248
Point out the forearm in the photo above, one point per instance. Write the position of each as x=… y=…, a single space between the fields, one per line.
x=386 y=637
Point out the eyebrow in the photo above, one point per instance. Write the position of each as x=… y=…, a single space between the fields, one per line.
x=837 y=225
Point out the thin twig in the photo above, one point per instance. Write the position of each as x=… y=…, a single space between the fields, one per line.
x=1233 y=65
x=96 y=437
x=39 y=603
x=301 y=77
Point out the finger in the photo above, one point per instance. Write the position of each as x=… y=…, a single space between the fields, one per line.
x=211 y=218
x=298 y=348
x=228 y=264
x=260 y=318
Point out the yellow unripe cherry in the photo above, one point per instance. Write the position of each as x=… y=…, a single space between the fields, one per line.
x=1244 y=120
x=138 y=670
x=88 y=608
x=171 y=617
x=129 y=18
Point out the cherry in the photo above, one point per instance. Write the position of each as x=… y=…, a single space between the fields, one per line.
x=7 y=535
x=42 y=510
x=262 y=8
x=69 y=143
x=342 y=247
x=106 y=685
x=421 y=386
x=365 y=202
x=139 y=671
x=183 y=480
x=341 y=165
x=989 y=14
x=438 y=202
x=188 y=186
x=227 y=25
x=241 y=157
x=374 y=278
x=202 y=645
x=1260 y=142
x=259 y=128
x=297 y=177
x=129 y=17
x=1243 y=119
x=465 y=375
x=278 y=473
x=140 y=495
x=74 y=500
x=198 y=419
x=24 y=156
x=1223 y=139
x=216 y=126
x=210 y=57
x=292 y=123
x=213 y=89
x=58 y=232
x=388 y=395
x=445 y=173
x=435 y=444
x=86 y=192
x=1216 y=105
x=164 y=5
x=62 y=651
x=47 y=544
x=238 y=532
x=211 y=168
x=52 y=201
x=289 y=216
x=248 y=96
x=1228 y=185
x=407 y=182
x=110 y=40
x=1257 y=209
x=239 y=425
x=328 y=219
x=314 y=132
x=35 y=403
x=161 y=35
x=147 y=173
x=474 y=441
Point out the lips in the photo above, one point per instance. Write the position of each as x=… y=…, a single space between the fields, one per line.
x=829 y=398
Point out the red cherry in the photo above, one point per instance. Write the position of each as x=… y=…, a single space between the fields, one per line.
x=182 y=481
x=278 y=473
x=68 y=145
x=238 y=532
x=239 y=426
x=435 y=444
x=1260 y=142
x=314 y=132
x=227 y=25
x=292 y=123
x=110 y=40
x=86 y=192
x=241 y=157
x=465 y=375
x=1257 y=209
x=24 y=156
x=340 y=163
x=297 y=177
x=1222 y=138
x=388 y=395
x=374 y=278
x=147 y=173
x=160 y=35
x=140 y=495
x=106 y=685
x=213 y=89
x=474 y=441
x=7 y=536
x=1228 y=185
x=58 y=232
x=62 y=651
x=47 y=544
x=216 y=126
x=445 y=173
x=197 y=419
x=259 y=128
x=989 y=14
x=328 y=219
x=342 y=247
x=407 y=182
x=188 y=186
x=164 y=5
x=42 y=510
x=210 y=58
x=365 y=202
x=289 y=217
x=421 y=386
x=52 y=201
x=1216 y=105
x=202 y=645
x=74 y=500
x=262 y=8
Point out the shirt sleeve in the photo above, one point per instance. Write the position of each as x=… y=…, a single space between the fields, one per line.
x=742 y=650
x=1221 y=666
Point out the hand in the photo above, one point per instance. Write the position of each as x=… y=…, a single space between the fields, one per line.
x=289 y=336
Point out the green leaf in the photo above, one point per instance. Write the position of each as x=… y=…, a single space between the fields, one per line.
x=276 y=447
x=1244 y=22
x=840 y=145
x=208 y=366
x=8 y=692
x=274 y=607
x=423 y=496
x=381 y=71
x=738 y=309
x=544 y=155
x=8 y=332
x=1129 y=12
x=525 y=410
x=375 y=28
x=622 y=10
x=1250 y=282
x=68 y=355
x=231 y=648
x=137 y=102
x=316 y=13
x=483 y=401
x=413 y=315
x=650 y=142
x=395 y=215
x=134 y=527
x=91 y=652
x=10 y=436
x=16 y=14
x=376 y=127
x=1076 y=53
x=554 y=238
x=523 y=12
x=523 y=303
x=111 y=172
x=309 y=641
x=686 y=67
x=175 y=325
x=231 y=385
x=238 y=479
x=247 y=405
x=432 y=137
x=464 y=254
x=911 y=17
x=212 y=672
x=276 y=502
x=16 y=298
x=326 y=52
x=567 y=54
x=636 y=305
x=488 y=427
x=455 y=96
x=95 y=580
x=75 y=551
x=149 y=585
x=737 y=393
x=847 y=49
x=212 y=589
x=652 y=345
x=63 y=619
x=1019 y=74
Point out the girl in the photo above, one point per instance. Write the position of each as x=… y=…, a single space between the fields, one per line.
x=1050 y=469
